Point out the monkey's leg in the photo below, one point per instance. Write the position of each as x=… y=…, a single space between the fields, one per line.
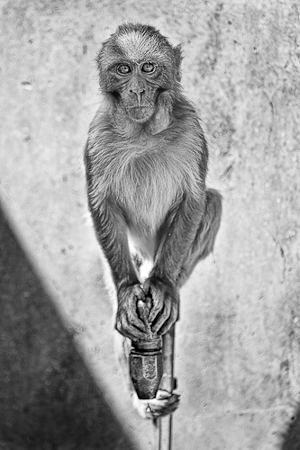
x=205 y=238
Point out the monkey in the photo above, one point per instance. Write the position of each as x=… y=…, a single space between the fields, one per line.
x=146 y=161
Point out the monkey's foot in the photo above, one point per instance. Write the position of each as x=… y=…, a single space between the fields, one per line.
x=165 y=403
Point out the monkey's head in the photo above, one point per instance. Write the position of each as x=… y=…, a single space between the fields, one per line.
x=139 y=69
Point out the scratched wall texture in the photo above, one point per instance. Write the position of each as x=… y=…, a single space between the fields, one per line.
x=238 y=339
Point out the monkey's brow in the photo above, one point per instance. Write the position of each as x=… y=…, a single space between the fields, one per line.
x=146 y=60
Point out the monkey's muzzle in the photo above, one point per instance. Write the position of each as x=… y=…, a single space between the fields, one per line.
x=140 y=113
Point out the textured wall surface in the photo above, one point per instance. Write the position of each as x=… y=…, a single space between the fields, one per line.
x=238 y=340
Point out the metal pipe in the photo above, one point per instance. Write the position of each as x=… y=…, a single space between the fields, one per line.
x=163 y=425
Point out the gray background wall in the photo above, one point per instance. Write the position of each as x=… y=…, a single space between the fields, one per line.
x=237 y=348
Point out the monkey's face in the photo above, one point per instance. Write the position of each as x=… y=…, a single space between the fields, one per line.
x=138 y=70
x=137 y=87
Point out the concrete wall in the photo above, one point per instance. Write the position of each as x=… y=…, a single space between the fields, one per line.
x=237 y=349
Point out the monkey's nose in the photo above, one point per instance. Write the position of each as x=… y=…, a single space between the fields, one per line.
x=139 y=92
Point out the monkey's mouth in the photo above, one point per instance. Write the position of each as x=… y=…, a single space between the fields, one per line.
x=140 y=113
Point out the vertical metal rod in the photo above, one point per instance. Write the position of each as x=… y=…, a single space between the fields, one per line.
x=164 y=424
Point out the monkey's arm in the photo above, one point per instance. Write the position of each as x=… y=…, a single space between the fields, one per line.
x=110 y=229
x=177 y=235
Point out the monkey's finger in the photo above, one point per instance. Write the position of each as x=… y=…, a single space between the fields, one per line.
x=135 y=321
x=166 y=327
x=154 y=313
x=163 y=407
x=132 y=316
x=133 y=334
x=166 y=312
x=167 y=407
x=119 y=328
x=162 y=394
x=157 y=307
x=127 y=330
x=174 y=398
x=165 y=411
x=138 y=292
x=171 y=320
x=163 y=401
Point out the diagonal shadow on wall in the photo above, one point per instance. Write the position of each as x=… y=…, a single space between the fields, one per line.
x=48 y=400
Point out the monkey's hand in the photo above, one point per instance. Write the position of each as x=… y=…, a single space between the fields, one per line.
x=165 y=304
x=127 y=321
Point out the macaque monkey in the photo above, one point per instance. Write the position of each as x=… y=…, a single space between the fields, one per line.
x=146 y=163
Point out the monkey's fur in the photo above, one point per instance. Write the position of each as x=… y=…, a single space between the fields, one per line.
x=146 y=163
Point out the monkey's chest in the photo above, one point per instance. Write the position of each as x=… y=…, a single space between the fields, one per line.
x=146 y=194
x=146 y=206
x=147 y=202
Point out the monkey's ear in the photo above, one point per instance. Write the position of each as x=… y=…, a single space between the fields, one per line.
x=178 y=59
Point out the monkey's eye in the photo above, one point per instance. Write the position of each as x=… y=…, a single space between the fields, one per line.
x=123 y=69
x=148 y=67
